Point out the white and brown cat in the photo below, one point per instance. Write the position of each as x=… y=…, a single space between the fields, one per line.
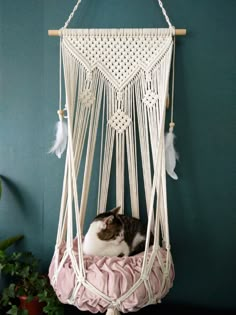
x=113 y=234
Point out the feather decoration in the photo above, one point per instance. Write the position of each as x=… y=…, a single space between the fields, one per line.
x=60 y=141
x=170 y=154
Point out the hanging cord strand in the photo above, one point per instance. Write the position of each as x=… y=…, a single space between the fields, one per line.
x=172 y=124
x=79 y=1
x=170 y=152
x=72 y=14
x=165 y=14
x=60 y=76
x=60 y=111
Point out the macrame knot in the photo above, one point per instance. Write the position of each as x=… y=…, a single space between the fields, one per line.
x=150 y=98
x=89 y=77
x=148 y=77
x=171 y=126
x=119 y=121
x=144 y=276
x=87 y=98
x=80 y=279
x=115 y=304
x=61 y=114
x=148 y=80
x=166 y=273
x=119 y=96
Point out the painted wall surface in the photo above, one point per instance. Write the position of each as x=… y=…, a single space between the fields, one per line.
x=202 y=211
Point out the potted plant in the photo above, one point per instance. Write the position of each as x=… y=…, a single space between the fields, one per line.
x=4 y=244
x=29 y=291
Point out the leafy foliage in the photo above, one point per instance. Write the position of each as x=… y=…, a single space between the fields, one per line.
x=22 y=267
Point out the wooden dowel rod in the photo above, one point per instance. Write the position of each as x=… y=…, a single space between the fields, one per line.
x=178 y=32
x=54 y=32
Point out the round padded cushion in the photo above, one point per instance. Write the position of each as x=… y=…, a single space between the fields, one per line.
x=113 y=276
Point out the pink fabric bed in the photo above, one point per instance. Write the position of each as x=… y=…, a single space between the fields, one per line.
x=113 y=276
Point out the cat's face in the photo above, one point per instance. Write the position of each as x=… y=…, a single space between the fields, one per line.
x=110 y=226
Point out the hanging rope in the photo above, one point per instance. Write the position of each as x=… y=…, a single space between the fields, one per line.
x=170 y=152
x=165 y=14
x=79 y=1
x=72 y=14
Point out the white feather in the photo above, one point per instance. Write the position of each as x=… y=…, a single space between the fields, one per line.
x=170 y=154
x=60 y=141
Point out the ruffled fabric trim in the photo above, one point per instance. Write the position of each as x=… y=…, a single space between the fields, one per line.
x=113 y=276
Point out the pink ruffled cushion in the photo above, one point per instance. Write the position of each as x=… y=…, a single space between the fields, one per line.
x=112 y=276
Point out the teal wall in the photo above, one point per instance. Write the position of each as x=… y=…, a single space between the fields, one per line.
x=202 y=208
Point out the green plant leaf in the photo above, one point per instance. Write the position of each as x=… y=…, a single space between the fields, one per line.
x=23 y=267
x=8 y=294
x=12 y=290
x=30 y=298
x=21 y=291
x=14 y=310
x=10 y=241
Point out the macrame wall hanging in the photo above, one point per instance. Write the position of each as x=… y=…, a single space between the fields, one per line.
x=116 y=84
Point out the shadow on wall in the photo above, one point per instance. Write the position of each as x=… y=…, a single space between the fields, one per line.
x=14 y=190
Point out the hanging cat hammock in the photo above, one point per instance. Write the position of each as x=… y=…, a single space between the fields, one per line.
x=116 y=83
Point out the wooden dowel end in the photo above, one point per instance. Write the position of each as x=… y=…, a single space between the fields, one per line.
x=54 y=33
x=178 y=32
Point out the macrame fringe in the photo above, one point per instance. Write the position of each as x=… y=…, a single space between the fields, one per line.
x=170 y=154
x=112 y=311
x=60 y=141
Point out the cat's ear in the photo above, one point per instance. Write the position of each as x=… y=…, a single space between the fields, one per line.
x=108 y=220
x=115 y=210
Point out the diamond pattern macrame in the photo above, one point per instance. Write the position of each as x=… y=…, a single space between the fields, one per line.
x=87 y=98
x=119 y=121
x=150 y=98
x=118 y=57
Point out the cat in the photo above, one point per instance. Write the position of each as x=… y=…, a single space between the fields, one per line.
x=113 y=234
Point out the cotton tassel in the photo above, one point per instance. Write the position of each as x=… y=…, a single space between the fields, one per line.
x=112 y=311
x=60 y=142
x=170 y=154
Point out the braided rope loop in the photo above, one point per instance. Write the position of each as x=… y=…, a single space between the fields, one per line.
x=79 y=1
x=72 y=14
